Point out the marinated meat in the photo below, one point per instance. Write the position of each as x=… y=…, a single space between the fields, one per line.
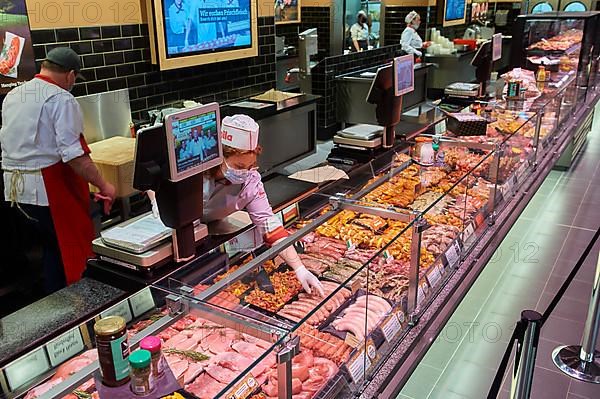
x=193 y=371
x=221 y=374
x=205 y=387
x=248 y=350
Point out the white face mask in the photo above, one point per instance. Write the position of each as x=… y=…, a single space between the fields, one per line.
x=236 y=176
x=416 y=26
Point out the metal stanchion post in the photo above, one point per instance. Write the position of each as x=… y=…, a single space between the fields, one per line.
x=583 y=362
x=525 y=356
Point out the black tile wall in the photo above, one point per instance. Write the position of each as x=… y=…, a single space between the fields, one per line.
x=290 y=32
x=117 y=57
x=394 y=23
x=318 y=17
x=323 y=81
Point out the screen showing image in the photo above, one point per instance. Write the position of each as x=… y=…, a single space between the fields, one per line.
x=195 y=140
x=404 y=74
x=204 y=26
x=17 y=62
x=455 y=10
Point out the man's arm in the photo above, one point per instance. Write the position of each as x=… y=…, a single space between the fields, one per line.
x=85 y=167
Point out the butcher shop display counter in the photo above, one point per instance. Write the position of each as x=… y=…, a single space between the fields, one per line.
x=385 y=244
x=561 y=41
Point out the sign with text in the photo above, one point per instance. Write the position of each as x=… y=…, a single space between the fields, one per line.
x=121 y=309
x=65 y=347
x=142 y=302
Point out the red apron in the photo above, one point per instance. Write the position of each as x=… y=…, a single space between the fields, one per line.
x=69 y=200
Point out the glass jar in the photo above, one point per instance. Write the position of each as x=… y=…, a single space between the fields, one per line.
x=113 y=350
x=154 y=345
x=141 y=382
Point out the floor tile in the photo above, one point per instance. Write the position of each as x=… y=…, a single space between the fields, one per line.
x=584 y=389
x=549 y=384
x=567 y=308
x=421 y=382
x=562 y=330
x=573 y=396
x=578 y=290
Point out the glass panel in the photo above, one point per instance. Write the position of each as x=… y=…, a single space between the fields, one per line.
x=541 y=7
x=576 y=6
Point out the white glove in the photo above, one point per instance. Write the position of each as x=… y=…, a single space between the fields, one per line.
x=154 y=204
x=309 y=281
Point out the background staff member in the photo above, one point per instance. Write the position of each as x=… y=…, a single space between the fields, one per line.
x=411 y=41
x=359 y=32
x=236 y=185
x=47 y=166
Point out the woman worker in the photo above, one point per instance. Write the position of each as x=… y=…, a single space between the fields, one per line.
x=411 y=41
x=359 y=32
x=236 y=185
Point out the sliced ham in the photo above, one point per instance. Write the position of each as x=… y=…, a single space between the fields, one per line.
x=249 y=350
x=205 y=387
x=222 y=374
x=43 y=388
x=258 y=342
x=232 y=360
x=193 y=371
x=178 y=367
x=175 y=340
x=324 y=368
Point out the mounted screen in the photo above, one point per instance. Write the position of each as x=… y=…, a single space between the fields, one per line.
x=455 y=12
x=404 y=74
x=194 y=32
x=193 y=141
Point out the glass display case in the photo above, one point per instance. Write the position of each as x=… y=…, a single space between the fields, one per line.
x=384 y=244
x=561 y=41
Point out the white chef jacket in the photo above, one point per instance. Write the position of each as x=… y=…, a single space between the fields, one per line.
x=221 y=199
x=411 y=41
x=359 y=31
x=41 y=126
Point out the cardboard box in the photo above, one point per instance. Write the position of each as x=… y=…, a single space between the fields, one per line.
x=114 y=159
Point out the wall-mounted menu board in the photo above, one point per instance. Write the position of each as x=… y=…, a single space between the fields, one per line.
x=17 y=62
x=194 y=32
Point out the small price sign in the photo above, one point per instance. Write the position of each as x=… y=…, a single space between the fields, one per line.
x=391 y=327
x=468 y=232
x=121 y=309
x=434 y=276
x=64 y=347
x=452 y=254
x=244 y=388
x=358 y=365
x=142 y=302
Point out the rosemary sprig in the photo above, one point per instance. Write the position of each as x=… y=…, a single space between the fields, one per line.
x=82 y=394
x=193 y=355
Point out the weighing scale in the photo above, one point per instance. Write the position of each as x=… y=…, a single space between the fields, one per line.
x=356 y=144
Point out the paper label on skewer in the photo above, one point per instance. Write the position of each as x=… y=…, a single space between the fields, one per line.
x=358 y=365
x=391 y=327
x=469 y=230
x=350 y=245
x=387 y=257
x=351 y=340
x=434 y=276
x=356 y=285
x=243 y=389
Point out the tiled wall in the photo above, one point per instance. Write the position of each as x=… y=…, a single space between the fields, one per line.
x=318 y=17
x=323 y=82
x=116 y=57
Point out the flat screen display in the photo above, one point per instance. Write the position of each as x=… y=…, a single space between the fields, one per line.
x=404 y=74
x=193 y=140
x=194 y=27
x=454 y=12
x=17 y=62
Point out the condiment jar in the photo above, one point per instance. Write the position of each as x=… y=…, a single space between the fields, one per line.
x=141 y=382
x=154 y=345
x=113 y=350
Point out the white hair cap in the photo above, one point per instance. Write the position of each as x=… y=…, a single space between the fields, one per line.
x=239 y=131
x=411 y=16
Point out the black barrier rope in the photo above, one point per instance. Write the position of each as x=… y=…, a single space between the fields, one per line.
x=519 y=333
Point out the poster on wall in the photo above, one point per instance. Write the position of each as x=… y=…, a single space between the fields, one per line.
x=17 y=62
x=287 y=11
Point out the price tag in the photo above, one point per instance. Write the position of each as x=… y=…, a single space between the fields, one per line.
x=521 y=171
x=356 y=285
x=420 y=295
x=387 y=257
x=121 y=309
x=65 y=347
x=434 y=276
x=350 y=245
x=452 y=254
x=243 y=389
x=351 y=340
x=26 y=368
x=290 y=213
x=469 y=230
x=142 y=302
x=391 y=327
x=244 y=242
x=280 y=216
x=358 y=365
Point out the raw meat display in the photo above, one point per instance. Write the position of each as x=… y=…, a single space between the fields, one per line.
x=364 y=314
x=324 y=344
x=286 y=286
x=298 y=309
x=437 y=238
x=561 y=42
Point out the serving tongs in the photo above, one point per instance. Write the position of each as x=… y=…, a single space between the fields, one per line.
x=261 y=278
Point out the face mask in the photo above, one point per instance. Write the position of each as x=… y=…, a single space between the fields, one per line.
x=416 y=26
x=235 y=176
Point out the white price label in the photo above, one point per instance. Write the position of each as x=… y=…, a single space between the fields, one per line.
x=453 y=254
x=391 y=327
x=65 y=347
x=120 y=309
x=521 y=171
x=26 y=368
x=142 y=302
x=469 y=230
x=420 y=295
x=434 y=276
x=358 y=366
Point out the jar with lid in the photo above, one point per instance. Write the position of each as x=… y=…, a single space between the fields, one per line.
x=153 y=345
x=141 y=382
x=113 y=350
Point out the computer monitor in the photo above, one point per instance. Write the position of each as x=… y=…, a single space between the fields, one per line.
x=482 y=61
x=404 y=74
x=193 y=144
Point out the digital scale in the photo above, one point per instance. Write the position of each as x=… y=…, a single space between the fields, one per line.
x=462 y=90
x=142 y=243
x=359 y=136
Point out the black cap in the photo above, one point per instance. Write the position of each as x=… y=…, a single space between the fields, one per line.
x=66 y=58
